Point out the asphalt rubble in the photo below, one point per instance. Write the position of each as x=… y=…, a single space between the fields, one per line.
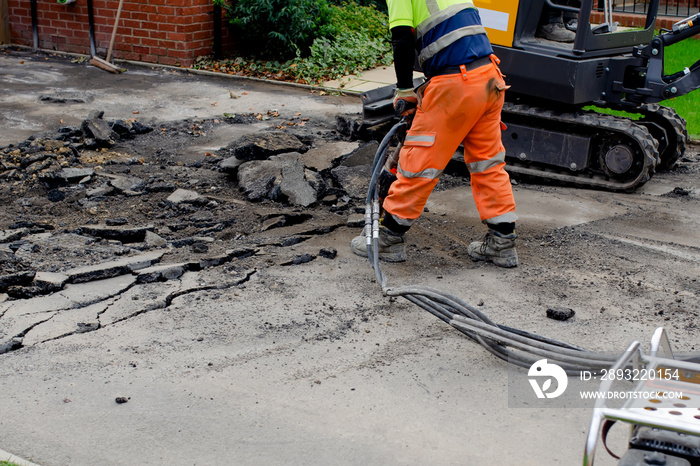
x=80 y=171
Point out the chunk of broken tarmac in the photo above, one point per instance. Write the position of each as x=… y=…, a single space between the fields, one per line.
x=123 y=234
x=185 y=196
x=124 y=265
x=163 y=272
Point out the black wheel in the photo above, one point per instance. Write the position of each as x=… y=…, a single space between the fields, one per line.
x=620 y=158
x=675 y=130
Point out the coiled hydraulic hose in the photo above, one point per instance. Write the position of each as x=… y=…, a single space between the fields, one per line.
x=515 y=346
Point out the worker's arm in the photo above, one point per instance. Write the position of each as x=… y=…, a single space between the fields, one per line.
x=402 y=42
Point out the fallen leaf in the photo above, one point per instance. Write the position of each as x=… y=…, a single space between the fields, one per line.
x=135 y=112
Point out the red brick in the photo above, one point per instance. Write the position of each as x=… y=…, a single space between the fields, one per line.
x=167 y=10
x=148 y=42
x=157 y=18
x=103 y=22
x=59 y=24
x=131 y=7
x=131 y=56
x=123 y=39
x=130 y=24
x=81 y=34
x=177 y=36
x=203 y=35
x=121 y=31
x=178 y=53
x=168 y=61
x=163 y=27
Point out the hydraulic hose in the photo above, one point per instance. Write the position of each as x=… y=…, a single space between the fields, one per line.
x=515 y=346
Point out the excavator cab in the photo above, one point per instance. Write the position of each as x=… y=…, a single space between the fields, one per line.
x=606 y=64
x=552 y=133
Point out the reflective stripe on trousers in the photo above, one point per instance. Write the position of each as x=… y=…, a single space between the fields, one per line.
x=455 y=110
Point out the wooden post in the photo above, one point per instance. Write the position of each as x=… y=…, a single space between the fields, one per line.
x=4 y=22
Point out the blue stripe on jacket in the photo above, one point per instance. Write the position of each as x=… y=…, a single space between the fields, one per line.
x=464 y=50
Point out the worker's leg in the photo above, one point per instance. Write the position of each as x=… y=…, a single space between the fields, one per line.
x=447 y=112
x=484 y=155
x=493 y=194
x=427 y=149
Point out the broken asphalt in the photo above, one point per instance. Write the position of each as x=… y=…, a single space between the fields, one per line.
x=164 y=306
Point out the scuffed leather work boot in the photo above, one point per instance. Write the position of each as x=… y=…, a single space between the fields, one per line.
x=556 y=32
x=391 y=246
x=497 y=248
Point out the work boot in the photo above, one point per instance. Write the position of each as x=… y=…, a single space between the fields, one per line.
x=571 y=23
x=497 y=248
x=555 y=31
x=554 y=28
x=391 y=246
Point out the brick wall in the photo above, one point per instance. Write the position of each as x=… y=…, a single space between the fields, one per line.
x=168 y=32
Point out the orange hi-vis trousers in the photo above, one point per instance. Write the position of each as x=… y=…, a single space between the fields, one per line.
x=463 y=108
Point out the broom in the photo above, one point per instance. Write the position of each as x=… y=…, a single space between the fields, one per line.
x=105 y=64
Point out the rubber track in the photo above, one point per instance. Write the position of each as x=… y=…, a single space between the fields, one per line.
x=660 y=114
x=592 y=122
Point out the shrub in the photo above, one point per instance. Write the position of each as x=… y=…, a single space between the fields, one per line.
x=348 y=39
x=353 y=17
x=348 y=53
x=277 y=29
x=379 y=5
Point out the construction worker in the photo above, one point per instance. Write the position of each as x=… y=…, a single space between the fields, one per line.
x=460 y=104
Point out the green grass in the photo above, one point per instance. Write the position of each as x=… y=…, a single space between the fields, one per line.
x=7 y=463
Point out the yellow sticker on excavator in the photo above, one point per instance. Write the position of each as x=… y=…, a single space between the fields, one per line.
x=498 y=17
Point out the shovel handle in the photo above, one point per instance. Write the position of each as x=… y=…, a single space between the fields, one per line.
x=114 y=30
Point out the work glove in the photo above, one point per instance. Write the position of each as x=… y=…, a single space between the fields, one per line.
x=384 y=182
x=405 y=102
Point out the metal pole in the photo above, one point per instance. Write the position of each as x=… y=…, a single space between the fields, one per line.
x=91 y=21
x=217 y=32
x=35 y=28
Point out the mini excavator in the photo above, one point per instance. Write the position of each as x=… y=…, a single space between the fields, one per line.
x=551 y=134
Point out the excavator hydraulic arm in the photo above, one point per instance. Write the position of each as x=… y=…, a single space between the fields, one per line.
x=646 y=82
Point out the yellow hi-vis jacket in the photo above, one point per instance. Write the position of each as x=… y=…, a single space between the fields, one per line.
x=447 y=32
